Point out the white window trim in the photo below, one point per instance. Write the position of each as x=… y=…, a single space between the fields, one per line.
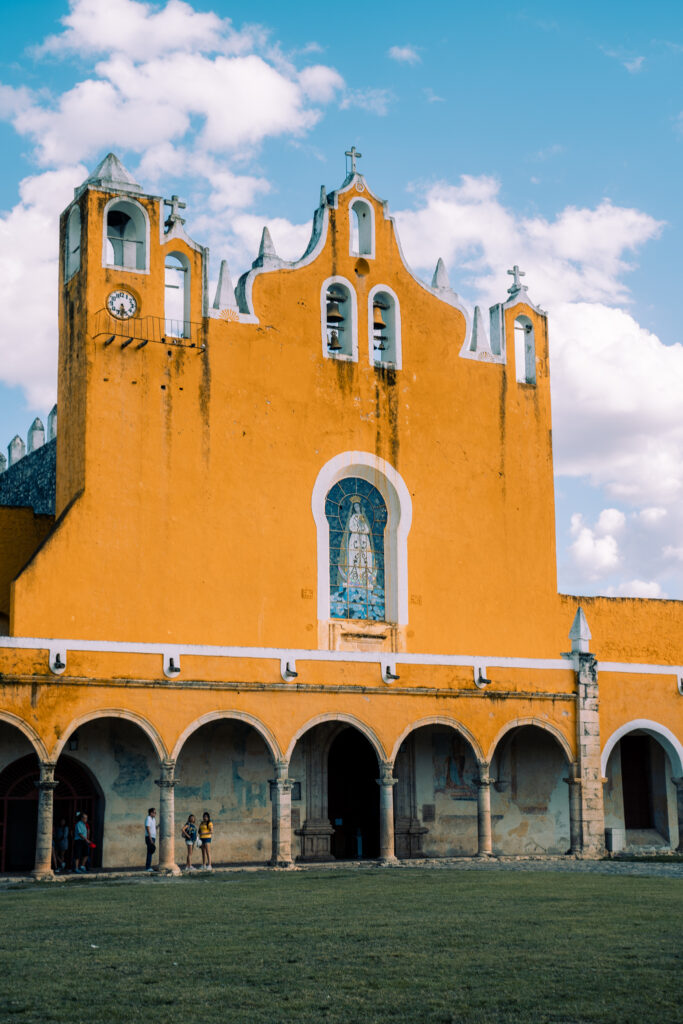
x=396 y=363
x=368 y=255
x=354 y=320
x=396 y=495
x=112 y=266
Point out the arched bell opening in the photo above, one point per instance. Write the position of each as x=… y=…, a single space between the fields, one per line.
x=640 y=796
x=125 y=235
x=525 y=351
x=77 y=793
x=119 y=758
x=435 y=798
x=224 y=767
x=335 y=770
x=530 y=797
x=72 y=243
x=361 y=229
x=177 y=295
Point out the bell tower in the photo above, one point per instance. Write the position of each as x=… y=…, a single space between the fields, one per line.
x=129 y=275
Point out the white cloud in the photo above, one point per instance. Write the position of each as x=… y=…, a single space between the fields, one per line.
x=404 y=54
x=653 y=515
x=375 y=101
x=432 y=97
x=673 y=552
x=28 y=283
x=142 y=31
x=595 y=552
x=610 y=520
x=635 y=65
x=636 y=588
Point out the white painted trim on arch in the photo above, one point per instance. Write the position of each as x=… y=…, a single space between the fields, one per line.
x=538 y=723
x=450 y=723
x=338 y=716
x=391 y=486
x=125 y=198
x=671 y=744
x=128 y=716
x=27 y=731
x=361 y=255
x=227 y=715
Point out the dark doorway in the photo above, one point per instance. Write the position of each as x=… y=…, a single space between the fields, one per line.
x=77 y=790
x=353 y=797
x=636 y=782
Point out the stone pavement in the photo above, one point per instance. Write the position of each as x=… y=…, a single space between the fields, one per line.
x=644 y=867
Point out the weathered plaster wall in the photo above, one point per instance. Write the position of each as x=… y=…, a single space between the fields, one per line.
x=224 y=769
x=21 y=532
x=530 y=800
x=445 y=774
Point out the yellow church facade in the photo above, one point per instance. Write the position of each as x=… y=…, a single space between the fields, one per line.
x=300 y=569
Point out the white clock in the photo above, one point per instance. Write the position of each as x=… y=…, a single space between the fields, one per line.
x=122 y=304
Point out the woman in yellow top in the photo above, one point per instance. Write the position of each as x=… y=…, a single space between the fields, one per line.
x=205 y=836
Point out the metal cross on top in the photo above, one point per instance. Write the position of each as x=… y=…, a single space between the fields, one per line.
x=352 y=155
x=516 y=284
x=174 y=217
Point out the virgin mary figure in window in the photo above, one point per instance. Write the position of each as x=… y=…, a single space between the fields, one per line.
x=357 y=516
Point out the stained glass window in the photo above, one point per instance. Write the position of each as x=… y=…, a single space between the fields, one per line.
x=357 y=517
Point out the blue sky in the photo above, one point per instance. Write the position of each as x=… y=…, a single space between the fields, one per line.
x=545 y=134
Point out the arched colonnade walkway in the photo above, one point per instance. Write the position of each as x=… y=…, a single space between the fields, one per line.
x=333 y=794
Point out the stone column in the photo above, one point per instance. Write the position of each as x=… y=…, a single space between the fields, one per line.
x=386 y=783
x=166 y=783
x=281 y=797
x=574 y=783
x=592 y=812
x=46 y=785
x=485 y=840
x=678 y=783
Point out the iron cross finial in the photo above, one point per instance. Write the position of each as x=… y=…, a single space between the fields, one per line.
x=174 y=217
x=516 y=283
x=353 y=155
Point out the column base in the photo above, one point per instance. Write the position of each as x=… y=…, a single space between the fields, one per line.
x=386 y=862
x=275 y=862
x=43 y=875
x=169 y=869
x=485 y=855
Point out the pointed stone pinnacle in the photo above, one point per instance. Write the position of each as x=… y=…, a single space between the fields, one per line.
x=580 y=635
x=440 y=278
x=266 y=247
x=110 y=173
x=225 y=293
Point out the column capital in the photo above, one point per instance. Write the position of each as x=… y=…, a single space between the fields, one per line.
x=282 y=785
x=484 y=777
x=47 y=775
x=281 y=767
x=167 y=780
x=574 y=778
x=386 y=774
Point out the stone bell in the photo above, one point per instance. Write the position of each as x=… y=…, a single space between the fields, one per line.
x=334 y=313
x=333 y=342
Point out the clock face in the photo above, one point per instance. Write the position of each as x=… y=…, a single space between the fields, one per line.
x=122 y=305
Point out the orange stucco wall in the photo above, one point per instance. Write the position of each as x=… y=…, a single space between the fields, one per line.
x=186 y=474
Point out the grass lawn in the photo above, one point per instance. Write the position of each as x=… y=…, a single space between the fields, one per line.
x=367 y=946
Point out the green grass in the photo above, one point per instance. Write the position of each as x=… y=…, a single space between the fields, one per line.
x=410 y=946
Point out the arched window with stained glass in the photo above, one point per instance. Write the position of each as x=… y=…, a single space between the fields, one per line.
x=357 y=517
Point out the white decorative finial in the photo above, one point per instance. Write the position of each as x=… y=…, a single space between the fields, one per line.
x=352 y=155
x=225 y=293
x=174 y=217
x=516 y=285
x=440 y=278
x=266 y=247
x=580 y=635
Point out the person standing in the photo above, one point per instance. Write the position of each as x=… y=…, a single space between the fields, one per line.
x=81 y=848
x=189 y=834
x=150 y=837
x=205 y=837
x=62 y=842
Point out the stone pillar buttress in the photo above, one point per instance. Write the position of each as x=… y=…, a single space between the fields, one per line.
x=574 y=783
x=485 y=839
x=46 y=786
x=386 y=783
x=166 y=783
x=281 y=797
x=592 y=812
x=678 y=783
